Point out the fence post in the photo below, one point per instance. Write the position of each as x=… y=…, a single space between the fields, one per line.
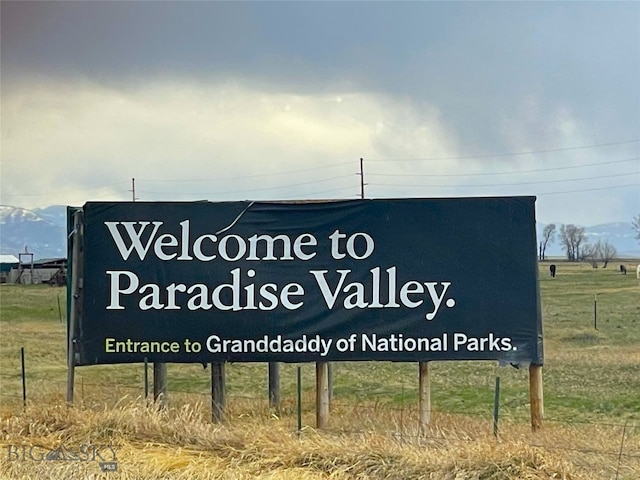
x=146 y=378
x=299 y=392
x=496 y=407
x=24 y=378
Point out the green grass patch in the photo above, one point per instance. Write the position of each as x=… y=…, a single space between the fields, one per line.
x=592 y=359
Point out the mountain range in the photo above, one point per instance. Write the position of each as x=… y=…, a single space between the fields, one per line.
x=42 y=231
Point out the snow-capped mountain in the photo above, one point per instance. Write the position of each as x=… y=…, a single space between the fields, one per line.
x=43 y=232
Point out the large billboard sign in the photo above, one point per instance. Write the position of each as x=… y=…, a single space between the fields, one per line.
x=399 y=279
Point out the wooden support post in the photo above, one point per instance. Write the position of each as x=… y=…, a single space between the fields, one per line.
x=74 y=301
x=536 y=397
x=160 y=384
x=218 y=394
x=322 y=394
x=274 y=386
x=424 y=387
x=71 y=366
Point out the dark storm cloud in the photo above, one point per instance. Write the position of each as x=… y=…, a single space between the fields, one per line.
x=474 y=61
x=93 y=84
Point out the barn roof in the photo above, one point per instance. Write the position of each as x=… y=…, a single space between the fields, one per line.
x=50 y=261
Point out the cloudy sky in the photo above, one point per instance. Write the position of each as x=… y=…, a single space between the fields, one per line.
x=280 y=100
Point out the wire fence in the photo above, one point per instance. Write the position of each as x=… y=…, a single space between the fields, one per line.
x=612 y=444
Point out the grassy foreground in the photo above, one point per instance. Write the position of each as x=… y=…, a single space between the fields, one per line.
x=183 y=444
x=592 y=406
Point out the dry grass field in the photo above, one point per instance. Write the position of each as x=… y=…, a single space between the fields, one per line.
x=591 y=428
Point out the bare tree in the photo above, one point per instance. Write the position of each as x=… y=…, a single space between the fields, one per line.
x=547 y=237
x=636 y=226
x=572 y=238
x=591 y=254
x=607 y=252
x=600 y=252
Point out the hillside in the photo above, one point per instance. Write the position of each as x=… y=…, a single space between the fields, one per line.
x=43 y=232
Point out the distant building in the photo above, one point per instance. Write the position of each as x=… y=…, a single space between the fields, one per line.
x=52 y=271
x=7 y=263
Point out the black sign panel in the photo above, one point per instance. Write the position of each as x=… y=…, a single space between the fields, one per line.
x=402 y=280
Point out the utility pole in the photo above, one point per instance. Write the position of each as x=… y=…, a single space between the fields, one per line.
x=133 y=188
x=320 y=366
x=361 y=178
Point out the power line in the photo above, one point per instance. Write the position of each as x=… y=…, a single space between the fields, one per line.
x=590 y=189
x=611 y=187
x=309 y=195
x=239 y=177
x=73 y=190
x=254 y=189
x=500 y=173
x=325 y=191
x=506 y=184
x=508 y=154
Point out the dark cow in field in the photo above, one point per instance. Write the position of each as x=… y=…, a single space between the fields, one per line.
x=623 y=270
x=552 y=270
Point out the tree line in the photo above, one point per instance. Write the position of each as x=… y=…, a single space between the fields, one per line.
x=574 y=243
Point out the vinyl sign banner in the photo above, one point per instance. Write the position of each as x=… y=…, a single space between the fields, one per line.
x=402 y=280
